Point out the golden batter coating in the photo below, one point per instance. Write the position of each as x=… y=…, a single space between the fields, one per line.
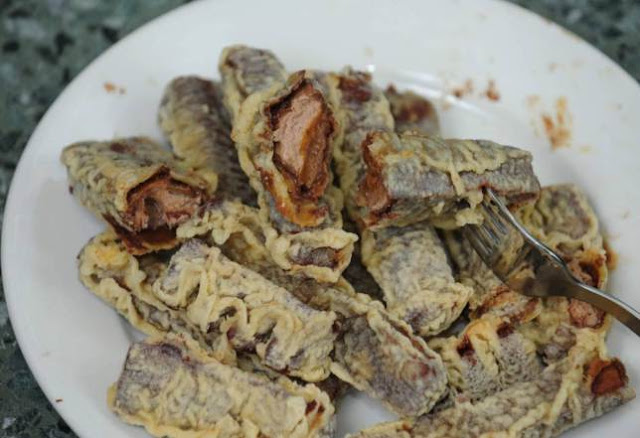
x=137 y=187
x=255 y=314
x=175 y=390
x=119 y=279
x=374 y=352
x=410 y=265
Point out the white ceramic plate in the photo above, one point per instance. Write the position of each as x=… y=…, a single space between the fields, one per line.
x=75 y=345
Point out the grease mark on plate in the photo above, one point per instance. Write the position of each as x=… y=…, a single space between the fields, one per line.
x=112 y=88
x=492 y=92
x=468 y=88
x=557 y=127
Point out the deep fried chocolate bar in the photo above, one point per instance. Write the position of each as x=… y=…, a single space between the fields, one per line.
x=137 y=187
x=410 y=265
x=413 y=177
x=284 y=131
x=175 y=390
x=564 y=395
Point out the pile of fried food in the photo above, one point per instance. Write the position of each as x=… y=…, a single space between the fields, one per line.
x=263 y=304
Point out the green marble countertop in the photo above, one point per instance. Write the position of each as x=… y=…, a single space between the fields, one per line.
x=45 y=43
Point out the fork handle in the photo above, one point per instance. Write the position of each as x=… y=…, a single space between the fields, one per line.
x=617 y=308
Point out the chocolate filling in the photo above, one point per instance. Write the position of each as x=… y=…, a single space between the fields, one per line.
x=608 y=376
x=324 y=257
x=373 y=194
x=355 y=88
x=302 y=126
x=411 y=108
x=161 y=201
x=140 y=242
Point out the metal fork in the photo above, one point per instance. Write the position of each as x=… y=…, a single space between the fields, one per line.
x=506 y=246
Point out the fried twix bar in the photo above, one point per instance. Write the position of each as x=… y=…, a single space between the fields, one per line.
x=119 y=279
x=563 y=396
x=284 y=131
x=136 y=186
x=412 y=112
x=175 y=390
x=229 y=305
x=193 y=117
x=410 y=265
x=360 y=107
x=413 y=177
x=374 y=352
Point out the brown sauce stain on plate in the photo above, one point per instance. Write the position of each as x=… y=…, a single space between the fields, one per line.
x=112 y=88
x=463 y=90
x=492 y=92
x=612 y=257
x=558 y=127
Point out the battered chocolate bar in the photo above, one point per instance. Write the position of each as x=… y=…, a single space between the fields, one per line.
x=284 y=131
x=137 y=187
x=413 y=177
x=564 y=395
x=410 y=265
x=119 y=279
x=193 y=118
x=175 y=390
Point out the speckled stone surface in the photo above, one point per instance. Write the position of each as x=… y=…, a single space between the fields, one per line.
x=44 y=44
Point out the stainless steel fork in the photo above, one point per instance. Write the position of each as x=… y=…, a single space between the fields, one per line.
x=506 y=246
